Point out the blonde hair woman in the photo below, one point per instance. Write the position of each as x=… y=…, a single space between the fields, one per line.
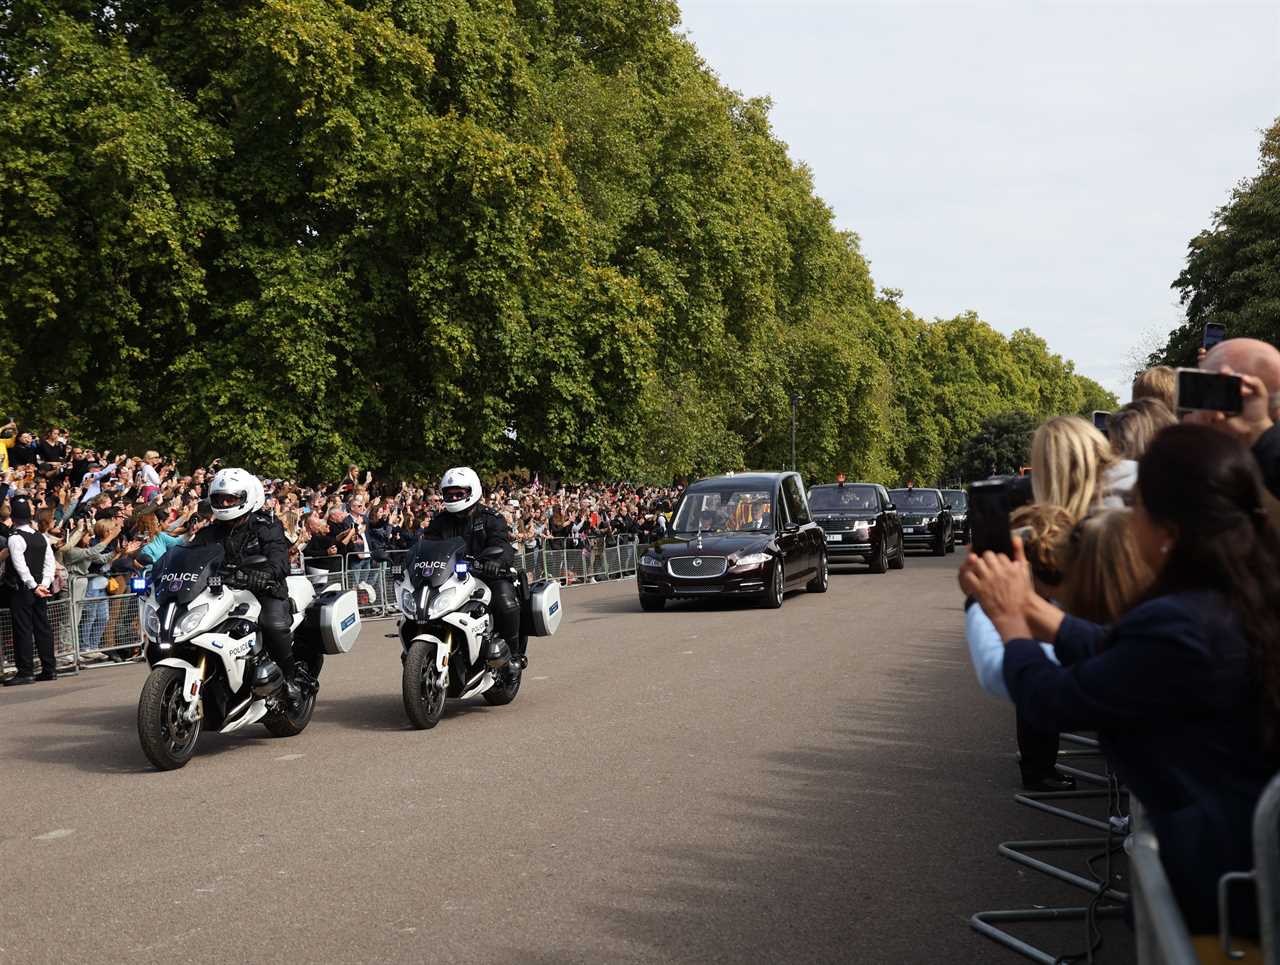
x=1072 y=466
x=1105 y=573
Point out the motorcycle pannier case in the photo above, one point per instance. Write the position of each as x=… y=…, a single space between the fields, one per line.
x=544 y=609
x=334 y=616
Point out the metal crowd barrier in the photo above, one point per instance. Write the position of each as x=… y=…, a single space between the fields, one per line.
x=101 y=630
x=1162 y=935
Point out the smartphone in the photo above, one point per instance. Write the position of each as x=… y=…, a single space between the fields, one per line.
x=1100 y=420
x=1214 y=332
x=990 y=503
x=1209 y=392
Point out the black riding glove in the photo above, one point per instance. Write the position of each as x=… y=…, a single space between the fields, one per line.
x=254 y=580
x=489 y=568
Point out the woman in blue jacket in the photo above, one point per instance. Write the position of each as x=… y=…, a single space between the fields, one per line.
x=1184 y=689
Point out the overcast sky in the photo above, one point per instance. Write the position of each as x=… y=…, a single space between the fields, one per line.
x=1043 y=164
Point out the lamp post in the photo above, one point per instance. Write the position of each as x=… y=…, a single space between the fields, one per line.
x=795 y=399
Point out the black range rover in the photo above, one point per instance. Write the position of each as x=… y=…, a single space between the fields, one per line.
x=957 y=501
x=744 y=535
x=926 y=521
x=860 y=524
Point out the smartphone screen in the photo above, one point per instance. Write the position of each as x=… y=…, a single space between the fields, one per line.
x=1100 y=420
x=1214 y=332
x=989 y=508
x=1209 y=392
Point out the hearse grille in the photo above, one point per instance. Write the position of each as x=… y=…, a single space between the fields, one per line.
x=697 y=567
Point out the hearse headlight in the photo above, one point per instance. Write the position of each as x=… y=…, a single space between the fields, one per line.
x=747 y=561
x=651 y=560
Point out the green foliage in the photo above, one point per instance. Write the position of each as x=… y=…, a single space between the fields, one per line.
x=538 y=233
x=1232 y=275
x=1002 y=445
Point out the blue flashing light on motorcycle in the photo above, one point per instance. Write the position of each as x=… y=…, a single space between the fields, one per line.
x=139 y=584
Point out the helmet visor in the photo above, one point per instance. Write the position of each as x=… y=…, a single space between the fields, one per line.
x=455 y=494
x=226 y=500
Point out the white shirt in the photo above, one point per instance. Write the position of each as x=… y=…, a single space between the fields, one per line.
x=92 y=482
x=18 y=559
x=149 y=474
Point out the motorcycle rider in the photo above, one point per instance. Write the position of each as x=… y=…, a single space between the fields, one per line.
x=482 y=528
x=236 y=498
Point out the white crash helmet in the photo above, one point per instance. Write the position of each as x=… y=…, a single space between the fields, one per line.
x=235 y=493
x=465 y=486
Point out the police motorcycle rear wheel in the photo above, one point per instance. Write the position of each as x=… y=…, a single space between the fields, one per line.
x=290 y=723
x=168 y=738
x=506 y=683
x=423 y=686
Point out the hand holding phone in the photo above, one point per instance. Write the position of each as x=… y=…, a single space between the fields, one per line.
x=990 y=504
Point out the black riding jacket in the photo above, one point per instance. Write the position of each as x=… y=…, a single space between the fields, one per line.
x=481 y=528
x=260 y=535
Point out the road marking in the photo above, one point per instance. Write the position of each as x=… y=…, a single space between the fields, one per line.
x=687 y=651
x=291 y=757
x=56 y=834
x=541 y=678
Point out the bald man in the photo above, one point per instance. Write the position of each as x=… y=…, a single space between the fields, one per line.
x=1258 y=364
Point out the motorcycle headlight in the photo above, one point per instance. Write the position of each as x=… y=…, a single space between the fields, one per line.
x=447 y=599
x=748 y=561
x=651 y=561
x=151 y=621
x=190 y=623
x=408 y=605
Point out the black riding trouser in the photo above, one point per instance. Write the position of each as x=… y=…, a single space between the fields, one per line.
x=276 y=622
x=505 y=606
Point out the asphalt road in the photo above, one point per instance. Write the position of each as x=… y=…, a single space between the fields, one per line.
x=820 y=783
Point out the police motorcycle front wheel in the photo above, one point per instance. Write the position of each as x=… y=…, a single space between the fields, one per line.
x=168 y=738
x=423 y=686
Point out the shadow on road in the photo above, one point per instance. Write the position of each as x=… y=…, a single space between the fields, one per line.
x=104 y=740
x=878 y=823
x=385 y=712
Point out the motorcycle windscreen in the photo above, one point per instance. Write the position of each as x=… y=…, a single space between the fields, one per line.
x=184 y=572
x=432 y=561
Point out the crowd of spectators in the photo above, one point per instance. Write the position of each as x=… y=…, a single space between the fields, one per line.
x=110 y=515
x=1142 y=601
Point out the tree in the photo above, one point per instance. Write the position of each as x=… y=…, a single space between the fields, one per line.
x=536 y=233
x=1232 y=274
x=1002 y=445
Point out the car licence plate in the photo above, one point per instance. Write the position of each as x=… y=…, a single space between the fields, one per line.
x=835 y=538
x=909 y=529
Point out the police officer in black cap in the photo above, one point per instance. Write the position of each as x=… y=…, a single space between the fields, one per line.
x=29 y=574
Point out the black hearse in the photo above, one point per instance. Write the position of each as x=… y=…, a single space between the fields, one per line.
x=749 y=534
x=860 y=524
x=926 y=520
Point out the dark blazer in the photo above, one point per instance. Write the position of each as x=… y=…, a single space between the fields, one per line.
x=1170 y=692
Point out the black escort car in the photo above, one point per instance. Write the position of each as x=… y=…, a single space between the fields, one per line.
x=926 y=521
x=860 y=524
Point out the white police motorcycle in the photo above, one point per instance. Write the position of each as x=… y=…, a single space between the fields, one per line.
x=445 y=625
x=209 y=668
